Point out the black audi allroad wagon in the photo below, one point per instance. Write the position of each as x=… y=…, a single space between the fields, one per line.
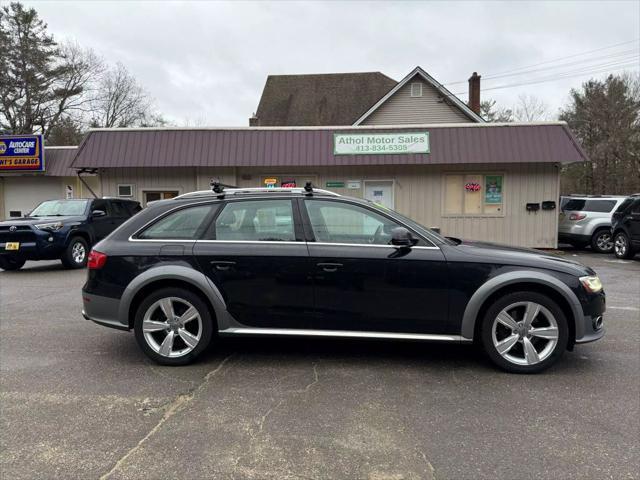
x=307 y=262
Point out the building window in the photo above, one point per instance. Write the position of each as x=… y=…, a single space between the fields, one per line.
x=416 y=89
x=125 y=190
x=473 y=194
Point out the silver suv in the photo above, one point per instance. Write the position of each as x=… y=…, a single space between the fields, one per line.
x=586 y=220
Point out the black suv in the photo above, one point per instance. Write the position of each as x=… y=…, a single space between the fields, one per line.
x=63 y=229
x=304 y=262
x=625 y=227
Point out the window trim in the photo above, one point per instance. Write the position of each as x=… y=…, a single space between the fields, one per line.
x=310 y=237
x=443 y=195
x=131 y=188
x=411 y=89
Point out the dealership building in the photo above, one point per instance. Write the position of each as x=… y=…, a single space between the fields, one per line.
x=410 y=145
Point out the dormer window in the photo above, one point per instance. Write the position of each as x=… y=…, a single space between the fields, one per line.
x=416 y=89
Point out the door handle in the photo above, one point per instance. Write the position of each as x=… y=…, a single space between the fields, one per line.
x=222 y=266
x=330 y=267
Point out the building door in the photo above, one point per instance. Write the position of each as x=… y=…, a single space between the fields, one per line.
x=152 y=196
x=379 y=191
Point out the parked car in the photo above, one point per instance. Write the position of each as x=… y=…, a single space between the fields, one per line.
x=586 y=220
x=187 y=270
x=626 y=227
x=63 y=229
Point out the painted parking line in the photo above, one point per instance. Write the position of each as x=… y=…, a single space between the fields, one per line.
x=618 y=261
x=633 y=309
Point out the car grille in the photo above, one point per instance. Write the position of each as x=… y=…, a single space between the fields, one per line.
x=22 y=233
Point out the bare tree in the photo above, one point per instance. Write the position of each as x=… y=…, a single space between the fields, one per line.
x=120 y=101
x=530 y=108
x=491 y=113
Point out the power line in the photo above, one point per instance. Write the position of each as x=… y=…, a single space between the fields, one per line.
x=550 y=61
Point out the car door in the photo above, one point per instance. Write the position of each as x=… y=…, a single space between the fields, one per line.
x=255 y=254
x=634 y=222
x=361 y=282
x=102 y=225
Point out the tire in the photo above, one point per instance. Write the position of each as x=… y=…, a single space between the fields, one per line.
x=546 y=314
x=621 y=246
x=602 y=241
x=10 y=263
x=76 y=253
x=155 y=336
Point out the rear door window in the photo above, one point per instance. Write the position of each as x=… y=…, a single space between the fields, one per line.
x=261 y=220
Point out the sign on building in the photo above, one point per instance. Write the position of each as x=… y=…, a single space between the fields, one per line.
x=21 y=153
x=380 y=143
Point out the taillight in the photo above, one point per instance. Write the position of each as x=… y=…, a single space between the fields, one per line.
x=577 y=216
x=96 y=260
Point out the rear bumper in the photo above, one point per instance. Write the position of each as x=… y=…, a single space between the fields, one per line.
x=565 y=237
x=102 y=310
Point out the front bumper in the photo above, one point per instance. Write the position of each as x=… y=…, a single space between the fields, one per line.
x=102 y=310
x=591 y=327
x=34 y=245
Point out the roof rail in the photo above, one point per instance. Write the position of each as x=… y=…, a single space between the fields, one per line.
x=248 y=191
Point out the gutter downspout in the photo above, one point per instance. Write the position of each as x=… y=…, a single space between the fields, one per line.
x=87 y=170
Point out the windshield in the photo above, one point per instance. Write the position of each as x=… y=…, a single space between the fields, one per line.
x=59 y=208
x=429 y=233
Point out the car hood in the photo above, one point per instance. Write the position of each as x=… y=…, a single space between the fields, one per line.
x=528 y=257
x=38 y=220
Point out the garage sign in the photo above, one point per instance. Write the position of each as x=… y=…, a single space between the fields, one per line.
x=21 y=153
x=380 y=143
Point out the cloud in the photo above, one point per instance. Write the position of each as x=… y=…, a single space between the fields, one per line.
x=209 y=60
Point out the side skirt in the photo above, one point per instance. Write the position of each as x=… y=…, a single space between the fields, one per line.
x=343 y=333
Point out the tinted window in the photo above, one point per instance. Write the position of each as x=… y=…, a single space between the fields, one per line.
x=635 y=208
x=337 y=222
x=100 y=205
x=264 y=220
x=119 y=210
x=185 y=224
x=133 y=207
x=602 y=206
x=624 y=205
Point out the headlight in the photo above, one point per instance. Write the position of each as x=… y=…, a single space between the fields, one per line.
x=53 y=226
x=591 y=283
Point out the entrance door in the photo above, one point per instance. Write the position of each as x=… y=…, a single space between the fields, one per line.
x=152 y=196
x=379 y=191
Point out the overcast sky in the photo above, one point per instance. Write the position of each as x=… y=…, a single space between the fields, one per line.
x=206 y=62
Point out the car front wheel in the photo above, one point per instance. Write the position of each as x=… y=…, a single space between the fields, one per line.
x=602 y=241
x=621 y=246
x=173 y=326
x=524 y=332
x=11 y=263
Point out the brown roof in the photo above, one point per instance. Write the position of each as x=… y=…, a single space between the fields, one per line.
x=234 y=147
x=321 y=99
x=57 y=161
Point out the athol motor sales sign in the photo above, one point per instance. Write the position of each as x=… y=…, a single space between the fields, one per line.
x=21 y=152
x=380 y=143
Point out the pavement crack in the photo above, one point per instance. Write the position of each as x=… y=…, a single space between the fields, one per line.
x=430 y=469
x=174 y=407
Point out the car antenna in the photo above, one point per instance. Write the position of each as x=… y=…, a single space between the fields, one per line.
x=308 y=187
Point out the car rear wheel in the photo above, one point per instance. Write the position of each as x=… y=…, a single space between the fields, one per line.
x=524 y=332
x=10 y=263
x=602 y=241
x=76 y=254
x=173 y=326
x=621 y=246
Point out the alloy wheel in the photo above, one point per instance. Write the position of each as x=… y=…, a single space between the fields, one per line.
x=525 y=333
x=604 y=241
x=78 y=252
x=621 y=246
x=172 y=327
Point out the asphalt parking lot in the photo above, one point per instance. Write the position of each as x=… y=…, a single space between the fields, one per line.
x=81 y=401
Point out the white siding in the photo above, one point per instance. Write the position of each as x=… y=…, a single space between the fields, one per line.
x=419 y=195
x=401 y=108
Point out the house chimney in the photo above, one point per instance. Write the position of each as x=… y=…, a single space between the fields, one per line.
x=253 y=120
x=474 y=92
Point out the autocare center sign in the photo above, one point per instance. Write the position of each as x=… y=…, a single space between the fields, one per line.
x=380 y=143
x=21 y=153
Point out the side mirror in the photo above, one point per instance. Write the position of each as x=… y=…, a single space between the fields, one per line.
x=402 y=237
x=98 y=213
